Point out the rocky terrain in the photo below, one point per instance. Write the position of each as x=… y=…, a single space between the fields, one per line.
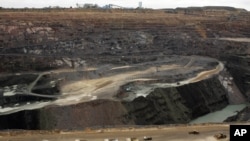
x=44 y=41
x=242 y=116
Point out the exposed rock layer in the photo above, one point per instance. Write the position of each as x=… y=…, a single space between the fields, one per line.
x=239 y=67
x=162 y=106
x=52 y=40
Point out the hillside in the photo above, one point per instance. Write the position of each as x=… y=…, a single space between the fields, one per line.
x=109 y=55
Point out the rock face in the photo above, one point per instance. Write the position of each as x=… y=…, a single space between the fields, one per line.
x=162 y=106
x=20 y=120
x=178 y=104
x=204 y=97
x=239 y=67
x=31 y=42
x=242 y=116
x=97 y=113
x=66 y=40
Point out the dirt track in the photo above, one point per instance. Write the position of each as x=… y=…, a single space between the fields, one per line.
x=107 y=87
x=107 y=81
x=176 y=133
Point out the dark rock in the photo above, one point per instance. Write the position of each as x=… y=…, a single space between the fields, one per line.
x=178 y=104
x=162 y=106
x=20 y=120
x=241 y=116
x=239 y=67
x=46 y=39
x=204 y=97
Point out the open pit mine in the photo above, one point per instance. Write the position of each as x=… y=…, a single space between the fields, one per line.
x=67 y=87
x=75 y=69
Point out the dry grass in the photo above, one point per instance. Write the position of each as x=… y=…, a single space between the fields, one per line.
x=201 y=31
x=150 y=16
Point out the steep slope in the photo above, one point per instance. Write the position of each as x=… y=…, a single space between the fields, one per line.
x=162 y=106
x=32 y=42
x=239 y=67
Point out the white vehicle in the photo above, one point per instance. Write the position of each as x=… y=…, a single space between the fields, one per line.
x=145 y=138
x=111 y=140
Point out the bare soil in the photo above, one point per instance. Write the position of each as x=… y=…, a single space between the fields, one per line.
x=160 y=133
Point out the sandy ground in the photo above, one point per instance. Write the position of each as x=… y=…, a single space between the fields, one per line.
x=160 y=133
x=207 y=74
x=107 y=87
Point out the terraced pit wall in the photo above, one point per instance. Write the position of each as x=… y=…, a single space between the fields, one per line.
x=59 y=39
x=162 y=106
x=43 y=41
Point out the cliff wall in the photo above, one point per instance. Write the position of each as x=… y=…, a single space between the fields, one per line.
x=239 y=67
x=178 y=104
x=162 y=106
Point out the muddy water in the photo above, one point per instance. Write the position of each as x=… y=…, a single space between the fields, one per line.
x=220 y=116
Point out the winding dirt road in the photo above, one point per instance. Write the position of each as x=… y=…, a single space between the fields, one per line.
x=107 y=81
